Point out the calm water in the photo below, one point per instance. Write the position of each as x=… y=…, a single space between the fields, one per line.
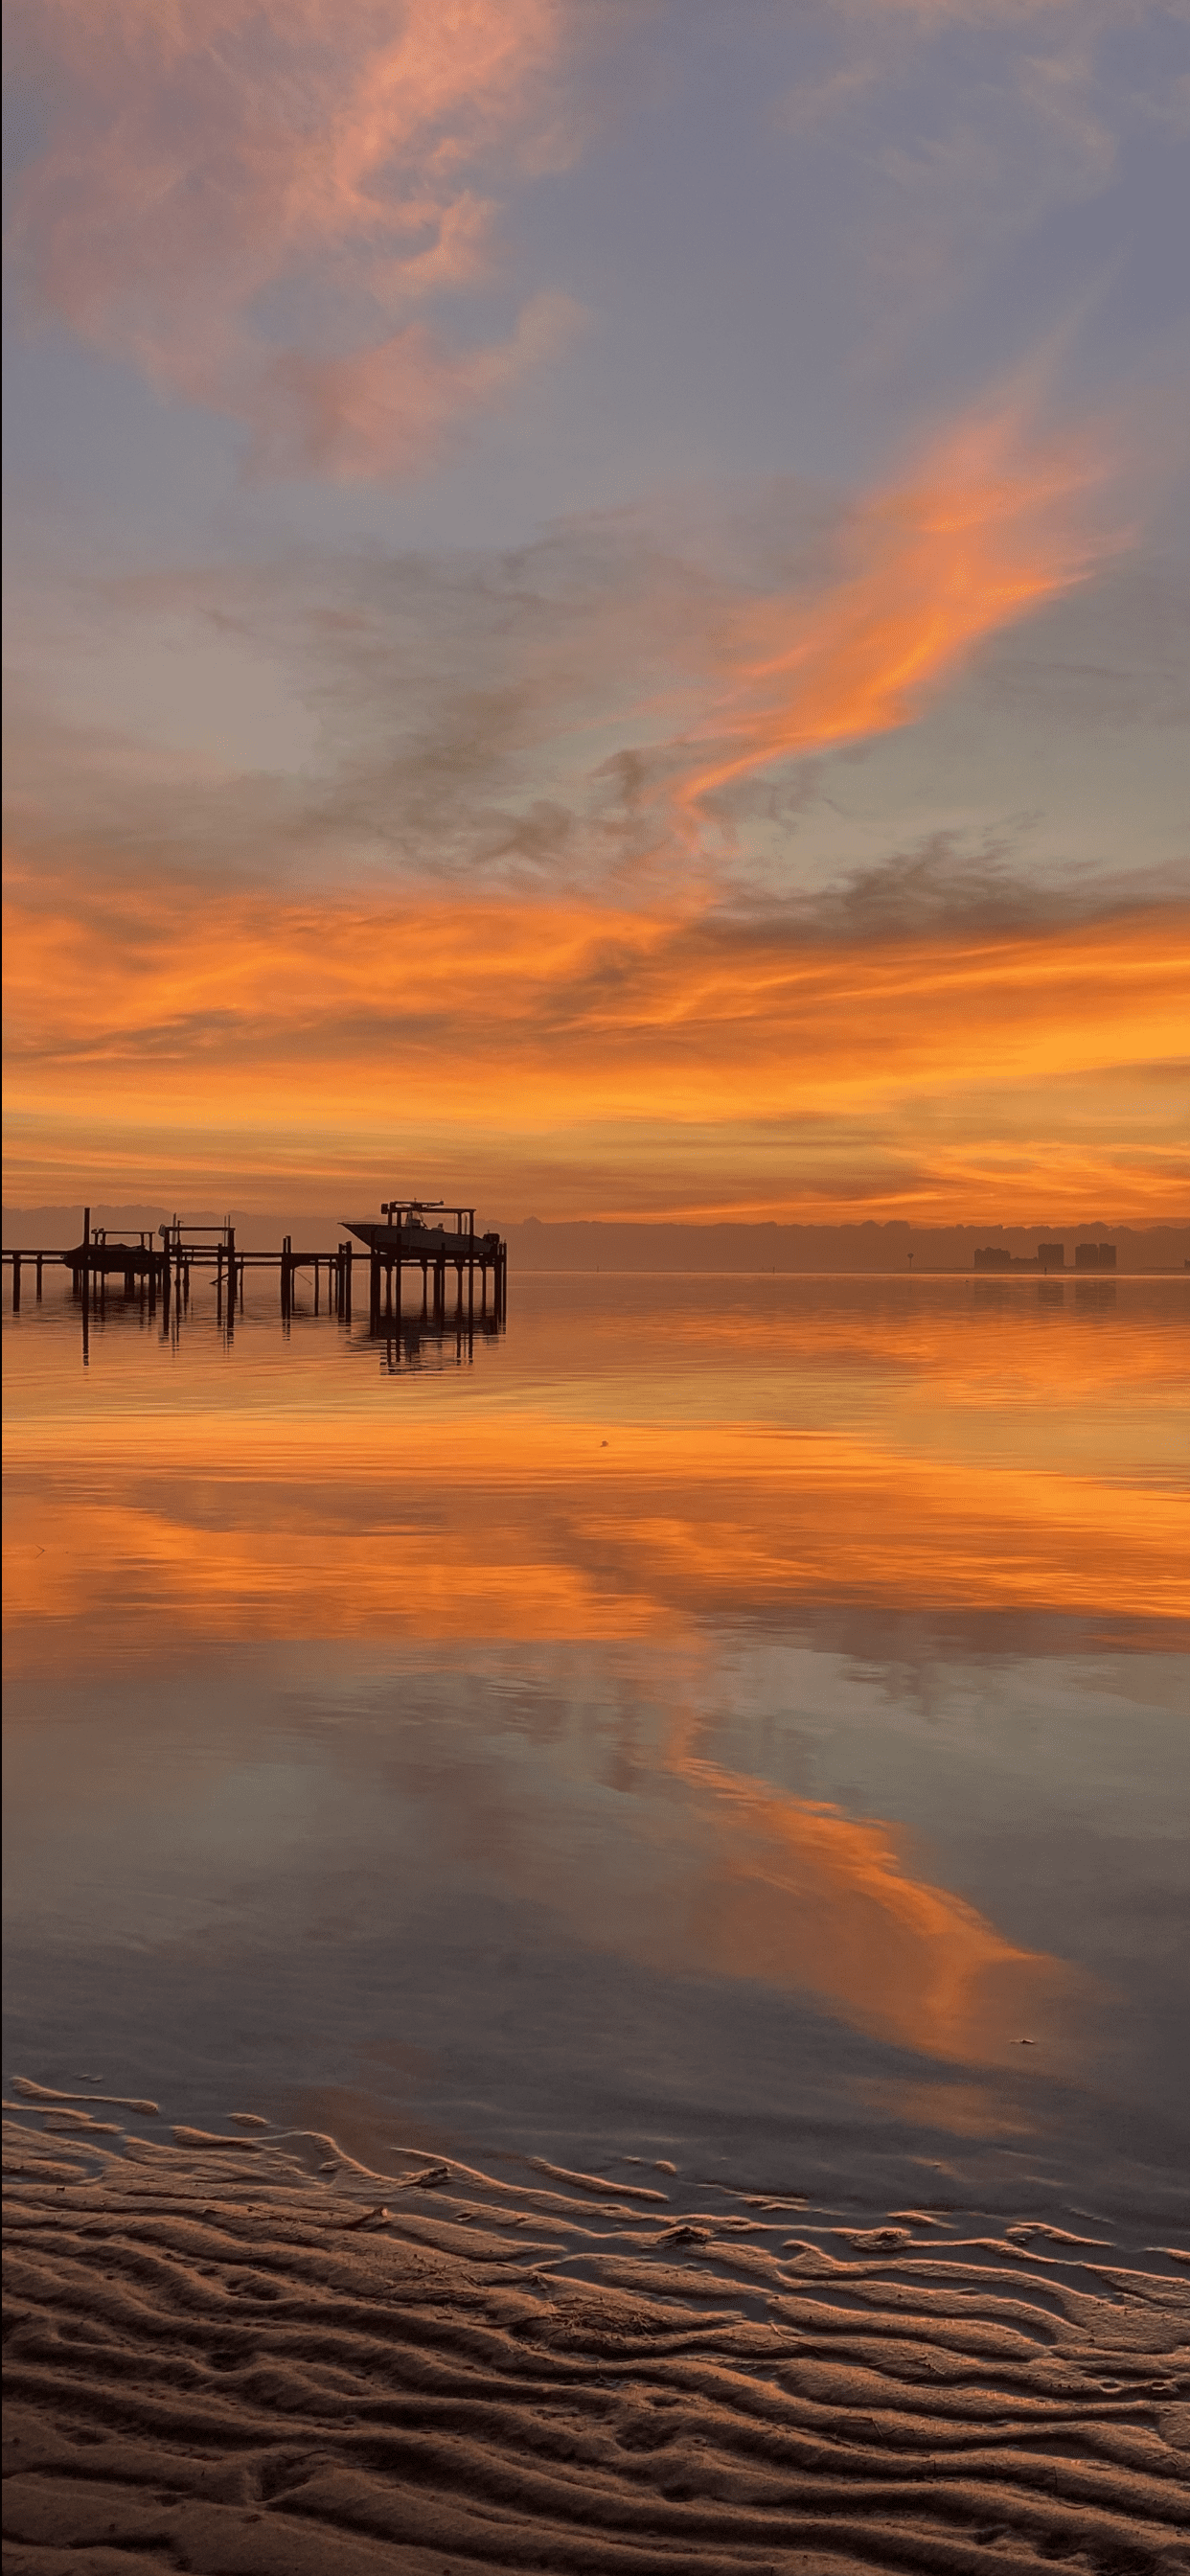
x=738 y=1721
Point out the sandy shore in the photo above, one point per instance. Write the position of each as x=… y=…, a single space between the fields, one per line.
x=249 y=2353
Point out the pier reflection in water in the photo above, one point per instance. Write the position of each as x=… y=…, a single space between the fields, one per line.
x=409 y=1326
x=744 y=1713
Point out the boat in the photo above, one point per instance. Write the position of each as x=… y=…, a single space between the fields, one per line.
x=404 y=1235
x=136 y=1260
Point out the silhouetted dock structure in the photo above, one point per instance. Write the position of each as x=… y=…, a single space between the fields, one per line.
x=158 y=1268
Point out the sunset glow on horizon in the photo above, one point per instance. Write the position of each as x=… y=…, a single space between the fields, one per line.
x=425 y=748
x=607 y=1063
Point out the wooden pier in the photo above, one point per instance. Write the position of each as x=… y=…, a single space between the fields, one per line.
x=159 y=1269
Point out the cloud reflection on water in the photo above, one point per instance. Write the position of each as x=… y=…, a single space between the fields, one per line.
x=889 y=1461
x=536 y=1529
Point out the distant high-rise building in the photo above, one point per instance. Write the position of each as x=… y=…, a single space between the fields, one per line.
x=1052 y=1256
x=993 y=1259
x=1094 y=1256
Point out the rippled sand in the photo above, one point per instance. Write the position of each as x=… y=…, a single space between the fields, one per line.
x=249 y=2353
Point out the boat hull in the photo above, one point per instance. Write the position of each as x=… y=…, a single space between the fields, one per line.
x=423 y=1242
x=112 y=1257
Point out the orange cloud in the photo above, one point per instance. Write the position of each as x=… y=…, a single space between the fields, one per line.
x=641 y=1063
x=984 y=533
x=576 y=711
x=202 y=161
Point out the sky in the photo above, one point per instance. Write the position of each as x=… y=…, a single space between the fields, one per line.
x=597 y=610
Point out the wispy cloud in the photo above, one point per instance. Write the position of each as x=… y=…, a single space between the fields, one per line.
x=262 y=203
x=612 y=704
x=966 y=123
x=660 y=1061
x=985 y=531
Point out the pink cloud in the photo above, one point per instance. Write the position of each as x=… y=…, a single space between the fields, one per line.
x=253 y=203
x=382 y=409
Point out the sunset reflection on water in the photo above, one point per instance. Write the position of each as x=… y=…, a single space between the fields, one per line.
x=644 y=1511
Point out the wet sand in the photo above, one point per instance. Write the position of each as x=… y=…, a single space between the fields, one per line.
x=249 y=2352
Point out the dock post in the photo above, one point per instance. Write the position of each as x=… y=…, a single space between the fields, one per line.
x=39 y=1279
x=374 y=1291
x=231 y=1271
x=16 y=1283
x=348 y=1258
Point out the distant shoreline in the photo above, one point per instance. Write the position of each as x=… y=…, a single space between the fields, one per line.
x=573 y=1246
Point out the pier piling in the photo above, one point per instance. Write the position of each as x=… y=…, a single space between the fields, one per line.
x=152 y=1269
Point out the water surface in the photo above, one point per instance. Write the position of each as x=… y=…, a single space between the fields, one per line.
x=739 y=1722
